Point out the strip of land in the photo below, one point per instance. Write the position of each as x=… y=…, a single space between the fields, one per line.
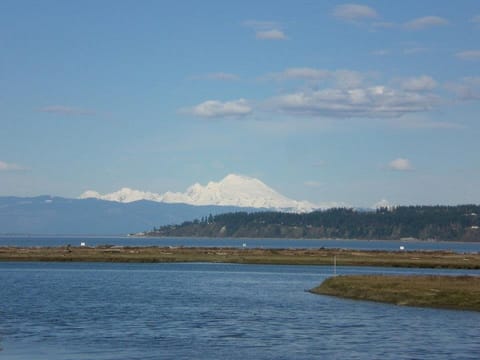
x=449 y=292
x=417 y=259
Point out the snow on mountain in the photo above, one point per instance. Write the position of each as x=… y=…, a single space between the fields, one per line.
x=233 y=190
x=382 y=204
x=124 y=195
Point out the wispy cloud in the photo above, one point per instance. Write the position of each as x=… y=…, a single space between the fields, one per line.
x=475 y=19
x=374 y=101
x=331 y=94
x=466 y=89
x=351 y=94
x=348 y=79
x=66 y=110
x=218 y=109
x=354 y=12
x=468 y=55
x=384 y=25
x=223 y=76
x=416 y=121
x=4 y=166
x=341 y=78
x=415 y=50
x=273 y=34
x=400 y=164
x=260 y=24
x=313 y=183
x=266 y=30
x=300 y=73
x=425 y=22
x=319 y=163
x=381 y=52
x=421 y=83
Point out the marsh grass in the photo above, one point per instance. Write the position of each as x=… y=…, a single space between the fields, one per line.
x=449 y=292
x=420 y=259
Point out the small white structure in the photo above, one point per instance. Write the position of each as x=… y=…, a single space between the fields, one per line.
x=402 y=248
x=82 y=244
x=244 y=245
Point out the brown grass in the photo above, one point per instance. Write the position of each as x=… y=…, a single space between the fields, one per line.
x=425 y=259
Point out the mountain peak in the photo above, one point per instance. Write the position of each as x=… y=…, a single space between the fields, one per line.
x=232 y=190
x=236 y=178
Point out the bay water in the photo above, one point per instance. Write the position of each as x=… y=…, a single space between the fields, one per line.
x=77 y=311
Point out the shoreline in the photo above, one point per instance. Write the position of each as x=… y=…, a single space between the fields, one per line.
x=134 y=236
x=155 y=254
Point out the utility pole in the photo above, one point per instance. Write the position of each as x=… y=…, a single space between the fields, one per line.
x=334 y=265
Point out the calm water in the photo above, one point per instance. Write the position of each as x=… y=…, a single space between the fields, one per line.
x=253 y=243
x=212 y=311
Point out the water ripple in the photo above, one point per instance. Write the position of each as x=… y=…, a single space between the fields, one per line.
x=211 y=311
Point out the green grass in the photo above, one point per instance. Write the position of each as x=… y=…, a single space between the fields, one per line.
x=448 y=292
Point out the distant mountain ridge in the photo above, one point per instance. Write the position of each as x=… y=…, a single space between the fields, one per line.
x=56 y=215
x=233 y=190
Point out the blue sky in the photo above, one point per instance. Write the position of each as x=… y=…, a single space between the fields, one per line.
x=322 y=100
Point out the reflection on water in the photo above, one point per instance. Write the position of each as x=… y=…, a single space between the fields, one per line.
x=212 y=311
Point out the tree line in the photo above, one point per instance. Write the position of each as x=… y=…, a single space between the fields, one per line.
x=448 y=223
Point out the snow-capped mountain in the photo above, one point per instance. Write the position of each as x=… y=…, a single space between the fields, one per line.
x=382 y=204
x=124 y=195
x=233 y=190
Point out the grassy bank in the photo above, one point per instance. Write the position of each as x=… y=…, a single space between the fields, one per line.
x=449 y=292
x=425 y=259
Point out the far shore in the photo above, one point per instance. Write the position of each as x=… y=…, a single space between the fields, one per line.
x=446 y=292
x=146 y=235
x=155 y=254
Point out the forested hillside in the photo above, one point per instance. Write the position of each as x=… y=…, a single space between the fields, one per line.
x=450 y=223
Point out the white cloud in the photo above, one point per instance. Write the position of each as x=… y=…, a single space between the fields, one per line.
x=215 y=108
x=4 y=166
x=374 y=101
x=425 y=22
x=273 y=34
x=266 y=30
x=347 y=94
x=354 y=12
x=468 y=55
x=66 y=110
x=400 y=164
x=421 y=83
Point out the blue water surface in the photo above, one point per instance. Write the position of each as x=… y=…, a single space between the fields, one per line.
x=108 y=311
x=31 y=241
